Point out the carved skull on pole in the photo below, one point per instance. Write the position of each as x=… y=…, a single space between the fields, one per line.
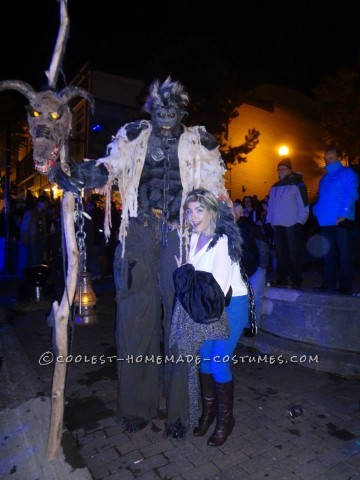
x=49 y=119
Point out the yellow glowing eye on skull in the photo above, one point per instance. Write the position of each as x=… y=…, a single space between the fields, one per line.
x=54 y=115
x=36 y=114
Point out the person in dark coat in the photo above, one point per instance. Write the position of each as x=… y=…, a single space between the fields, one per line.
x=34 y=231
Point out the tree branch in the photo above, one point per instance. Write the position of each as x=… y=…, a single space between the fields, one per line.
x=60 y=46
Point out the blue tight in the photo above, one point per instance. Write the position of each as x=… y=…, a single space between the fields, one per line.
x=213 y=351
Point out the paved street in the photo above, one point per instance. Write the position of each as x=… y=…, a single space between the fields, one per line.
x=267 y=442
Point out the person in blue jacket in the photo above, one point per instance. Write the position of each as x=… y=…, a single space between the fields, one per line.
x=335 y=213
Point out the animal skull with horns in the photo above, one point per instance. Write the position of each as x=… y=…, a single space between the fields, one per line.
x=49 y=119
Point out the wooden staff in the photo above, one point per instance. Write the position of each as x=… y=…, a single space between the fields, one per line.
x=61 y=313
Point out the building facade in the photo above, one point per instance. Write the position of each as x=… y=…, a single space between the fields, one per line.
x=283 y=117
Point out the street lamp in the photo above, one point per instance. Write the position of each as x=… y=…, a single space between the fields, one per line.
x=283 y=151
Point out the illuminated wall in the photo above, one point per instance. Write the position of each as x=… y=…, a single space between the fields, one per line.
x=278 y=126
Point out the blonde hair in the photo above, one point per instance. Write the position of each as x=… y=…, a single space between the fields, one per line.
x=208 y=200
x=222 y=218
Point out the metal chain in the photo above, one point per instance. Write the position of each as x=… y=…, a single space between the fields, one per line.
x=165 y=212
x=80 y=233
x=80 y=236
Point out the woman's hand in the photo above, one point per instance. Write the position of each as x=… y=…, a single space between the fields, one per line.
x=178 y=262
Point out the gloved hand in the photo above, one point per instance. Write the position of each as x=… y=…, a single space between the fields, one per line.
x=83 y=175
x=64 y=181
x=90 y=174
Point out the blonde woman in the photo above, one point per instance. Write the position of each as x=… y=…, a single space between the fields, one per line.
x=211 y=278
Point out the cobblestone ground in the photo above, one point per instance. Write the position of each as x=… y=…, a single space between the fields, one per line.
x=267 y=443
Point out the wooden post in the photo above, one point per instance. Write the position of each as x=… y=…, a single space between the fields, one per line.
x=61 y=314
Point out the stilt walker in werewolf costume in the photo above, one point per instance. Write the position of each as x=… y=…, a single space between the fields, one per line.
x=155 y=165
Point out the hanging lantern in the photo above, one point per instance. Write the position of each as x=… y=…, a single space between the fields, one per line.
x=85 y=301
x=85 y=298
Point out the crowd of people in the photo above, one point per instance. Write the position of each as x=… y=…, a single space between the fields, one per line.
x=36 y=237
x=285 y=221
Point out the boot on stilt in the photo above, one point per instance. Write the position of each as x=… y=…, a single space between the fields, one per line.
x=224 y=413
x=208 y=401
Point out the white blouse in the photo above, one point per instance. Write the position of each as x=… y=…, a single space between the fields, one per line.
x=217 y=261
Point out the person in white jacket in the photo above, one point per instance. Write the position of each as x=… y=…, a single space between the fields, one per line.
x=212 y=279
x=288 y=210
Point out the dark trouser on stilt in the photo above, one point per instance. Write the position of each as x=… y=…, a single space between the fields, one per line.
x=138 y=326
x=143 y=280
x=208 y=400
x=224 y=413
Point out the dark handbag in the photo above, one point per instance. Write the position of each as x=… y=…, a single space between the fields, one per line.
x=252 y=329
x=199 y=294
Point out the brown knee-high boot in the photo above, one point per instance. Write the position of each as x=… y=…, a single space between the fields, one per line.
x=224 y=413
x=208 y=400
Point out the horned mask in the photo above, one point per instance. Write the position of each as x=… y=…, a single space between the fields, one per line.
x=49 y=118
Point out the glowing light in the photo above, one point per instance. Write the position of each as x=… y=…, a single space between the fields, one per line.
x=85 y=300
x=56 y=191
x=283 y=151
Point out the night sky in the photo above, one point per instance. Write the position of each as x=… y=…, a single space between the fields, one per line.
x=291 y=43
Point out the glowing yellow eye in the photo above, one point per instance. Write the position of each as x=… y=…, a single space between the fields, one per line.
x=36 y=114
x=54 y=115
